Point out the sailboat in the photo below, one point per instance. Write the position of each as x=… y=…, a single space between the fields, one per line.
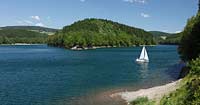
x=143 y=56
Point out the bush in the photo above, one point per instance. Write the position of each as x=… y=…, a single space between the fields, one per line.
x=143 y=101
x=189 y=93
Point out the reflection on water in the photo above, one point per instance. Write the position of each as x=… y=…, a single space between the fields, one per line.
x=175 y=69
x=143 y=69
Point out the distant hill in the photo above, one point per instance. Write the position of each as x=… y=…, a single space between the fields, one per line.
x=49 y=31
x=166 y=38
x=160 y=36
x=172 y=39
x=159 y=33
x=11 y=36
x=100 y=32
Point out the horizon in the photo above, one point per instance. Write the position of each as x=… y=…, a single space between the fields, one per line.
x=144 y=14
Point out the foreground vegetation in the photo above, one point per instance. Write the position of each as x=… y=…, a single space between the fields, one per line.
x=142 y=101
x=189 y=93
x=190 y=43
x=99 y=32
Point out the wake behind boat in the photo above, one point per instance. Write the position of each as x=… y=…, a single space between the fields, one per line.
x=143 y=56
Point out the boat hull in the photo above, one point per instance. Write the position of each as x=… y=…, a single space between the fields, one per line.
x=142 y=60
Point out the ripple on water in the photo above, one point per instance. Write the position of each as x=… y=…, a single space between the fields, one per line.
x=44 y=75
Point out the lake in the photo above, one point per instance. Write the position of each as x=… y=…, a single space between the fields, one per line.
x=42 y=75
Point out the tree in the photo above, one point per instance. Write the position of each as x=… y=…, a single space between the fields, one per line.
x=190 y=43
x=199 y=5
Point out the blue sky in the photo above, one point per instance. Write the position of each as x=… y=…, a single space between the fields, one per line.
x=160 y=15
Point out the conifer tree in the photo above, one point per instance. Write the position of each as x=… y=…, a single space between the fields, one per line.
x=199 y=6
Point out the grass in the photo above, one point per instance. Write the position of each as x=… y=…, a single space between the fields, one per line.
x=142 y=101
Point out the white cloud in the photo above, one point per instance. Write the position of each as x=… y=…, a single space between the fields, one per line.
x=48 y=19
x=165 y=30
x=28 y=22
x=34 y=21
x=136 y=1
x=40 y=24
x=82 y=0
x=145 y=15
x=25 y=22
x=178 y=31
x=36 y=18
x=19 y=22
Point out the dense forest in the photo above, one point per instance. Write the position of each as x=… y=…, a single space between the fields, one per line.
x=11 y=36
x=99 y=32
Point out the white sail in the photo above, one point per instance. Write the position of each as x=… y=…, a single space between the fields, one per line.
x=142 y=55
x=146 y=57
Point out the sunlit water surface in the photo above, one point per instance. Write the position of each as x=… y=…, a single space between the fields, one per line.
x=42 y=75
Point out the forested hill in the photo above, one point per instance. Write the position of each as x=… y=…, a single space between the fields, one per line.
x=172 y=39
x=25 y=34
x=37 y=28
x=33 y=28
x=159 y=33
x=99 y=32
x=166 y=38
x=11 y=36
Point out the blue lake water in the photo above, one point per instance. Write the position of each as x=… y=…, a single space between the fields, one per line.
x=42 y=75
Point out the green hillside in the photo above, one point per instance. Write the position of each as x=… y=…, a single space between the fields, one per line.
x=36 y=28
x=159 y=33
x=99 y=32
x=166 y=38
x=172 y=39
x=10 y=36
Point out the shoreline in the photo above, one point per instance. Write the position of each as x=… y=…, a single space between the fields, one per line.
x=76 y=48
x=154 y=93
x=20 y=44
x=113 y=96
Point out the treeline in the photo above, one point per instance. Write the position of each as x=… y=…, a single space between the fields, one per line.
x=11 y=36
x=99 y=32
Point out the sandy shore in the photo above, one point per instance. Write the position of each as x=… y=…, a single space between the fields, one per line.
x=154 y=93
